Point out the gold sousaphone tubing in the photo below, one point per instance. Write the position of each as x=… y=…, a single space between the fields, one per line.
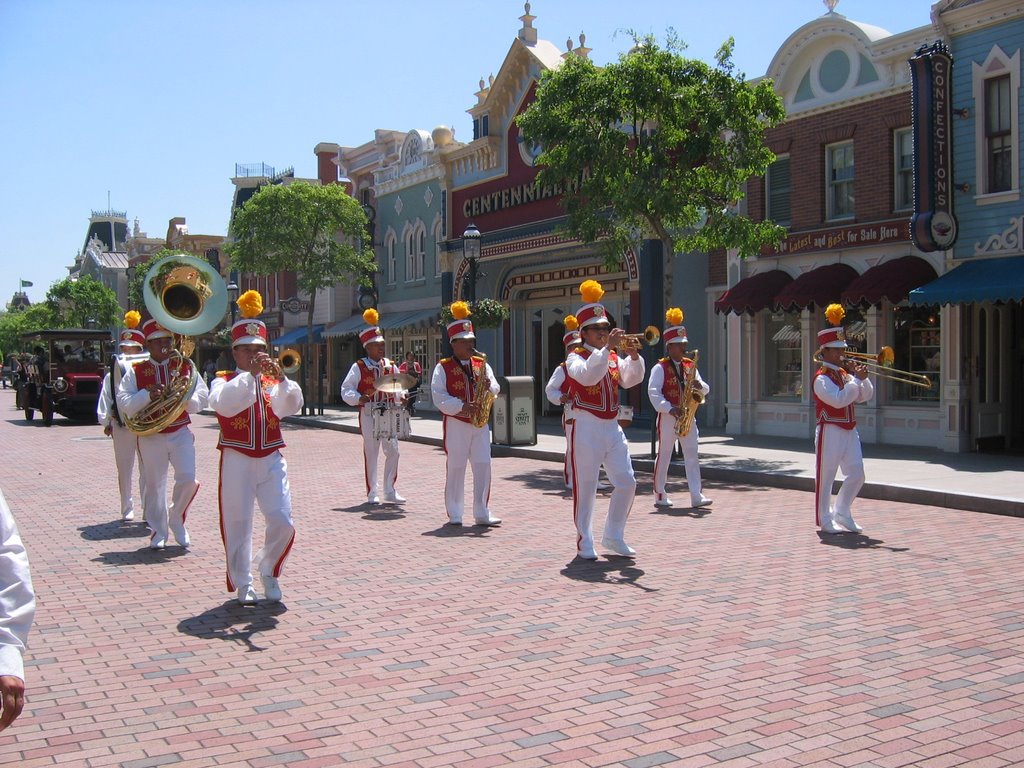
x=880 y=364
x=649 y=337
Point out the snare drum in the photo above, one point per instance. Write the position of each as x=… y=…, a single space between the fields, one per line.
x=625 y=415
x=391 y=423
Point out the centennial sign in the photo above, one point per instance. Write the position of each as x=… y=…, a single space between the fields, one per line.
x=933 y=225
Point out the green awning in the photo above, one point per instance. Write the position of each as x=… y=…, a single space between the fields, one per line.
x=975 y=280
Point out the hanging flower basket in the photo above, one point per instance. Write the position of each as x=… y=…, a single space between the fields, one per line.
x=485 y=313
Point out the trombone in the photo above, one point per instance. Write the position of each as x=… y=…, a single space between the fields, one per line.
x=880 y=365
x=649 y=337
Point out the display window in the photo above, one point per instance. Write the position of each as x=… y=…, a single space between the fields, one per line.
x=782 y=358
x=917 y=335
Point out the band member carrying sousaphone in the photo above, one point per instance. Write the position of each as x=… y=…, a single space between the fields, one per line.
x=360 y=389
x=596 y=372
x=675 y=389
x=463 y=388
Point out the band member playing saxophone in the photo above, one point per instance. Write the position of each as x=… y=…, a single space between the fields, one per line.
x=673 y=380
x=250 y=403
x=174 y=445
x=358 y=391
x=836 y=440
x=595 y=372
x=463 y=388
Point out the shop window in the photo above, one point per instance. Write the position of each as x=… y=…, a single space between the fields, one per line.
x=996 y=87
x=903 y=172
x=777 y=192
x=782 y=356
x=839 y=175
x=916 y=337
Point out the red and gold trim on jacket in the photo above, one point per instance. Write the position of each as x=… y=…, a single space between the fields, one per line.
x=458 y=383
x=148 y=374
x=827 y=414
x=367 y=377
x=602 y=399
x=256 y=431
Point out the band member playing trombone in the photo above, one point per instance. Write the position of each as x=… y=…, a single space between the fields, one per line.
x=463 y=388
x=667 y=390
x=595 y=372
x=250 y=403
x=126 y=442
x=174 y=445
x=358 y=390
x=837 y=388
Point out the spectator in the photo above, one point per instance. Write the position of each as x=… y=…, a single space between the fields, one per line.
x=17 y=609
x=412 y=367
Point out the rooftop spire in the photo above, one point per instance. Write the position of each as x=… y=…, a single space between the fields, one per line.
x=528 y=34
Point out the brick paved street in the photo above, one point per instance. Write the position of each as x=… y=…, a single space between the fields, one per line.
x=737 y=637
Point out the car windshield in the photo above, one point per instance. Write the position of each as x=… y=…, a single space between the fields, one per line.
x=77 y=355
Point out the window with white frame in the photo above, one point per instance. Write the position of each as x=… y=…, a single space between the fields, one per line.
x=996 y=88
x=421 y=251
x=776 y=194
x=410 y=256
x=395 y=350
x=998 y=134
x=839 y=181
x=903 y=169
x=392 y=261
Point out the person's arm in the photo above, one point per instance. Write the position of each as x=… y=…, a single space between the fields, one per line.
x=867 y=390
x=492 y=379
x=553 y=389
x=830 y=393
x=17 y=610
x=655 y=385
x=588 y=372
x=103 y=414
x=631 y=371
x=349 y=393
x=700 y=384
x=230 y=397
x=286 y=398
x=130 y=399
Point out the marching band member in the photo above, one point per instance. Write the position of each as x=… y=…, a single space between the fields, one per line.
x=595 y=373
x=664 y=389
x=174 y=445
x=358 y=391
x=453 y=387
x=126 y=442
x=557 y=393
x=17 y=611
x=836 y=440
x=250 y=403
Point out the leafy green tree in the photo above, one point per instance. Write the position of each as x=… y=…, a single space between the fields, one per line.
x=315 y=231
x=14 y=324
x=77 y=303
x=654 y=145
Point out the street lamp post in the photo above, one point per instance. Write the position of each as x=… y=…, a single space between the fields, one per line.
x=232 y=289
x=471 y=252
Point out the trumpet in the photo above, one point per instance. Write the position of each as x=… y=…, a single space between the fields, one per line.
x=880 y=364
x=649 y=337
x=290 y=361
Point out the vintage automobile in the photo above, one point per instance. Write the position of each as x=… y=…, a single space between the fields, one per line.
x=63 y=373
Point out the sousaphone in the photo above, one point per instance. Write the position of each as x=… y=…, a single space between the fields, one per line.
x=188 y=297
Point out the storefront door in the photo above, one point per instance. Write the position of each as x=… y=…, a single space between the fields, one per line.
x=991 y=368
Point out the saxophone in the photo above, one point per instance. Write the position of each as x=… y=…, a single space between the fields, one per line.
x=689 y=398
x=483 y=398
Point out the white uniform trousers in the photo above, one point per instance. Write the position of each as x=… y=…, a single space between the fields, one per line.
x=371 y=451
x=836 y=448
x=567 y=426
x=666 y=442
x=176 y=449
x=126 y=447
x=464 y=443
x=245 y=481
x=595 y=442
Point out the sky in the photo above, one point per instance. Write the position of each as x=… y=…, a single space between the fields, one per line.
x=145 y=106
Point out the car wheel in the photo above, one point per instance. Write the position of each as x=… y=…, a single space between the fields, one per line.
x=46 y=408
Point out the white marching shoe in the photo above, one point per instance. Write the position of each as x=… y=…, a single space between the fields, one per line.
x=393 y=498
x=247 y=595
x=586 y=551
x=372 y=498
x=703 y=501
x=847 y=522
x=618 y=546
x=665 y=501
x=271 y=589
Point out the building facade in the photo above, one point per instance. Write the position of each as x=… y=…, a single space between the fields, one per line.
x=842 y=186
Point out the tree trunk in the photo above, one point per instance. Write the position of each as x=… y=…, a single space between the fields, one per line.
x=311 y=365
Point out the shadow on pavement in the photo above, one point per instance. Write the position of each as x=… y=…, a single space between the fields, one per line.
x=448 y=531
x=614 y=570
x=695 y=512
x=144 y=556
x=115 y=529
x=550 y=480
x=234 y=623
x=855 y=541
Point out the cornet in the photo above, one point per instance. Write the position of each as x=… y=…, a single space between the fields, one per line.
x=649 y=337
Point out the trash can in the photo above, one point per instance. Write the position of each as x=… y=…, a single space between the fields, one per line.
x=513 y=413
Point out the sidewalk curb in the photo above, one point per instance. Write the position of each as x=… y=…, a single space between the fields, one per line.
x=880 y=491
